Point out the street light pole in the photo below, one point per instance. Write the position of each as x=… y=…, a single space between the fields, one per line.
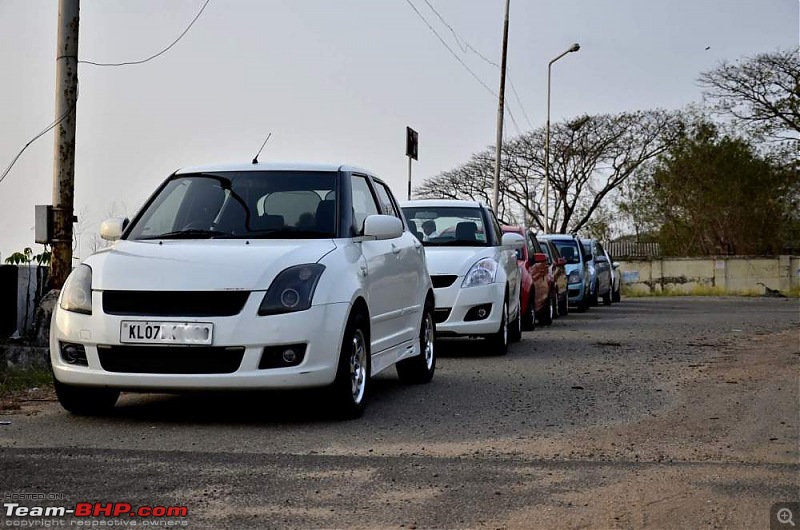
x=575 y=47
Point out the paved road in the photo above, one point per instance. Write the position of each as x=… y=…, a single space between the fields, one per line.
x=650 y=413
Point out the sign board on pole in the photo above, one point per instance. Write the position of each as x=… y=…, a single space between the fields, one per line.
x=412 y=139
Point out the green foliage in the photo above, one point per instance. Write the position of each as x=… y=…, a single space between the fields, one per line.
x=712 y=194
x=26 y=257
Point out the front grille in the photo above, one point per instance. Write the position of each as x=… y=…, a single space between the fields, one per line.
x=440 y=314
x=443 y=280
x=174 y=303
x=170 y=359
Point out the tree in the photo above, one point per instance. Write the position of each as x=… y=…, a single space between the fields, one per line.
x=762 y=93
x=591 y=156
x=713 y=194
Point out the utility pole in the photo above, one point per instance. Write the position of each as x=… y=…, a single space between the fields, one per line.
x=64 y=149
x=500 y=111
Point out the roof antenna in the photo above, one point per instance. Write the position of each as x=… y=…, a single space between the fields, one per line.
x=255 y=160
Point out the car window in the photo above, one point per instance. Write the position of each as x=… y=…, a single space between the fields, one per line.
x=245 y=204
x=569 y=250
x=387 y=206
x=447 y=225
x=364 y=203
x=498 y=232
x=545 y=249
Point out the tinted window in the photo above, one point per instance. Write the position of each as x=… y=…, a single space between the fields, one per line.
x=546 y=249
x=568 y=249
x=247 y=204
x=384 y=197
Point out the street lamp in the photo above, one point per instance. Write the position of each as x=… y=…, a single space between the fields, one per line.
x=575 y=47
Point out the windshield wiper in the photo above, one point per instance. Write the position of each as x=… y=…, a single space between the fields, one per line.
x=288 y=232
x=191 y=233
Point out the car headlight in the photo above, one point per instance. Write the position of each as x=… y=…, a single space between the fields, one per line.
x=292 y=290
x=574 y=276
x=482 y=273
x=77 y=295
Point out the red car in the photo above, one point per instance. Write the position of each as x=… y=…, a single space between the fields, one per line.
x=537 y=298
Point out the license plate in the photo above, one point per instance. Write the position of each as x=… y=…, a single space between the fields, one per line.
x=166 y=332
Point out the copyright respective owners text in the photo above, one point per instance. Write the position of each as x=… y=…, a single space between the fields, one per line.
x=783 y=515
x=55 y=510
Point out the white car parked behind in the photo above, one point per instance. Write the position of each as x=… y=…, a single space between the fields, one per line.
x=474 y=269
x=248 y=276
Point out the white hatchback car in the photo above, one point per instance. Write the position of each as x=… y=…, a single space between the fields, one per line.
x=256 y=276
x=474 y=269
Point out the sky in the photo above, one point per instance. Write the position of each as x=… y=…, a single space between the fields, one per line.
x=335 y=81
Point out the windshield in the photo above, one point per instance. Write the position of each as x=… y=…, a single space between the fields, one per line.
x=241 y=205
x=568 y=250
x=447 y=226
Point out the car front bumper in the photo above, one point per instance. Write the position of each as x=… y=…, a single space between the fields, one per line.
x=320 y=329
x=453 y=303
x=577 y=292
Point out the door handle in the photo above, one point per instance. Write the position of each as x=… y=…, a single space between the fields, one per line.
x=395 y=249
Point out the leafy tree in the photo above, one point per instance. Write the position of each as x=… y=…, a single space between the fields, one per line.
x=715 y=194
x=761 y=93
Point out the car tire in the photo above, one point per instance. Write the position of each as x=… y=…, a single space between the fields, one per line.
x=584 y=304
x=498 y=342
x=85 y=401
x=515 y=328
x=563 y=305
x=420 y=368
x=616 y=297
x=528 y=318
x=593 y=298
x=607 y=298
x=545 y=316
x=350 y=389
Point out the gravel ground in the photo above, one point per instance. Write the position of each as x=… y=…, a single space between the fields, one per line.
x=656 y=413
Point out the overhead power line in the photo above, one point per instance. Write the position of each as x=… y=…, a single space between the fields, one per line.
x=42 y=133
x=67 y=113
x=454 y=54
x=465 y=47
x=162 y=52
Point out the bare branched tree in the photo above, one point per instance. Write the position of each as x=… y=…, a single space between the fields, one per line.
x=590 y=157
x=760 y=92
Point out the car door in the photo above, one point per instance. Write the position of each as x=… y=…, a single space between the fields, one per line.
x=411 y=259
x=603 y=269
x=539 y=273
x=508 y=261
x=384 y=288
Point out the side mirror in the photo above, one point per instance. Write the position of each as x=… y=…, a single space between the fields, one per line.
x=588 y=257
x=111 y=229
x=514 y=241
x=540 y=257
x=382 y=227
x=561 y=262
x=615 y=264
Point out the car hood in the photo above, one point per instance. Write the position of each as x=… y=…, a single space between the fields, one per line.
x=569 y=267
x=455 y=260
x=200 y=265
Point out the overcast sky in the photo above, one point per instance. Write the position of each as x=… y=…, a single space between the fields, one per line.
x=335 y=81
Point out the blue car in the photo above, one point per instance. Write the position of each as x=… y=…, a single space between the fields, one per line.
x=577 y=268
